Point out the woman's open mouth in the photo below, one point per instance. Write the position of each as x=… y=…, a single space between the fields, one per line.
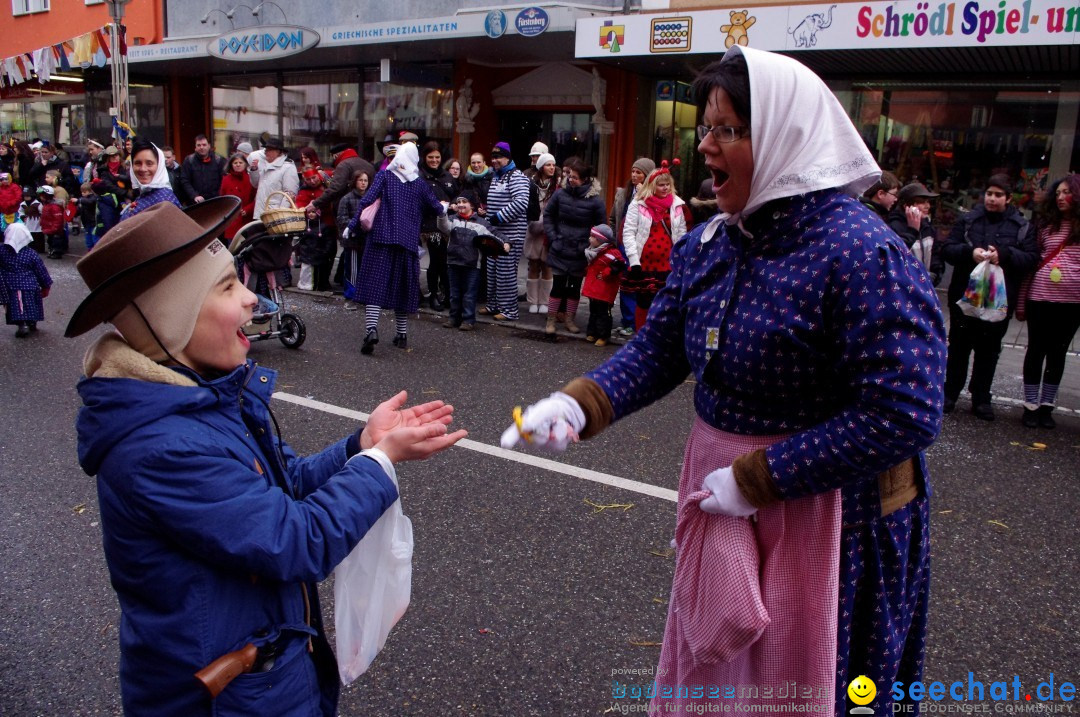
x=719 y=178
x=243 y=338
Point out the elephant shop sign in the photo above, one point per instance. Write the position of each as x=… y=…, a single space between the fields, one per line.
x=269 y=42
x=836 y=26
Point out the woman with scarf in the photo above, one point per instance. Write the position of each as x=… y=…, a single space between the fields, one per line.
x=237 y=183
x=150 y=178
x=1050 y=301
x=390 y=267
x=568 y=221
x=111 y=185
x=639 y=172
x=507 y=211
x=7 y=158
x=655 y=222
x=539 y=279
x=446 y=189
x=816 y=346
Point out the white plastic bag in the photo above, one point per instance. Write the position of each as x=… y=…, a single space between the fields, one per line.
x=985 y=296
x=371 y=591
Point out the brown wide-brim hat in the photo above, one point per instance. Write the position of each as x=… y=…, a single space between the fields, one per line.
x=141 y=251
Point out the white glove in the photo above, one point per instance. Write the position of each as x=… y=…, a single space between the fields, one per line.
x=553 y=423
x=345 y=233
x=726 y=498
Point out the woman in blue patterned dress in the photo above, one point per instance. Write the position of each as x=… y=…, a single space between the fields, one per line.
x=24 y=280
x=817 y=347
x=390 y=268
x=150 y=178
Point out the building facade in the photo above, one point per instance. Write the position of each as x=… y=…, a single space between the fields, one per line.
x=946 y=91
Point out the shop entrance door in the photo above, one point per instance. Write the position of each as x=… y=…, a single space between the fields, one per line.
x=567 y=134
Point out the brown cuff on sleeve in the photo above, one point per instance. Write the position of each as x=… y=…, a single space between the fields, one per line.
x=754 y=479
x=594 y=404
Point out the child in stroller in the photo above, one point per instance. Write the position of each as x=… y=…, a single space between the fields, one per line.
x=260 y=256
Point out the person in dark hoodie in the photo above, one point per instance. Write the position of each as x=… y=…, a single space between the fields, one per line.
x=470 y=238
x=882 y=195
x=703 y=204
x=216 y=533
x=201 y=171
x=996 y=232
x=446 y=189
x=910 y=219
x=346 y=163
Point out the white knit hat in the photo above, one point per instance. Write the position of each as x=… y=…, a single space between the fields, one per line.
x=542 y=160
x=538 y=148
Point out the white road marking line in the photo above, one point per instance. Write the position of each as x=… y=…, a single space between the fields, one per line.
x=499 y=452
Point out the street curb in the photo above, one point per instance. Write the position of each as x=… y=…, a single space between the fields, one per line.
x=538 y=328
x=519 y=325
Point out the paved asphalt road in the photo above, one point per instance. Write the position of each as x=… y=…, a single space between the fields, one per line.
x=525 y=600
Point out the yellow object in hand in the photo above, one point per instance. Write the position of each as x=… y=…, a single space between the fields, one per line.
x=517 y=422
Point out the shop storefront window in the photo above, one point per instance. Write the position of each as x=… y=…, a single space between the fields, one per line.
x=567 y=134
x=319 y=109
x=26 y=120
x=952 y=138
x=244 y=107
x=674 y=135
x=391 y=108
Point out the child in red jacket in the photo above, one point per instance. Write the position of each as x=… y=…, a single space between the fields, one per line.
x=10 y=197
x=53 y=224
x=317 y=249
x=606 y=263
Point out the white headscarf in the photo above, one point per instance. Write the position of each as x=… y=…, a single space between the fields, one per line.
x=405 y=162
x=803 y=140
x=17 y=236
x=161 y=175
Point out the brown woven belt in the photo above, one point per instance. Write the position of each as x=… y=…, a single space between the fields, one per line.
x=897 y=486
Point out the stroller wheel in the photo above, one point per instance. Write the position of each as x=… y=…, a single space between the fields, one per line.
x=292 y=331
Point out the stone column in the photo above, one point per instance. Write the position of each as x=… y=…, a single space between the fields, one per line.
x=605 y=128
x=464 y=128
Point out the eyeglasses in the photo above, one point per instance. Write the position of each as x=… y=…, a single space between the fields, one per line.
x=894 y=192
x=722 y=133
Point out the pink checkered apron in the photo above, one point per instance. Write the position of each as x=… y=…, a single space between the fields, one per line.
x=752 y=617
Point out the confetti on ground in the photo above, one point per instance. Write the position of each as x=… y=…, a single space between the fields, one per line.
x=944 y=512
x=1030 y=446
x=79 y=509
x=998 y=522
x=659 y=601
x=429 y=391
x=667 y=553
x=644 y=643
x=484 y=631
x=598 y=508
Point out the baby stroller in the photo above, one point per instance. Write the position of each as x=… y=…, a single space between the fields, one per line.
x=261 y=255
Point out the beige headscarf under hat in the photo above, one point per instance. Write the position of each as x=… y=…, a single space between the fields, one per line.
x=172 y=306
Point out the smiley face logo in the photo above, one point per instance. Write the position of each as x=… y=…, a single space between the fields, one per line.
x=862 y=690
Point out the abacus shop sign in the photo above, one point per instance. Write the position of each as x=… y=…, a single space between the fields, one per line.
x=263 y=43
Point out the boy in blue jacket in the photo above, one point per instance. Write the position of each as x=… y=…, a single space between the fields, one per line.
x=215 y=532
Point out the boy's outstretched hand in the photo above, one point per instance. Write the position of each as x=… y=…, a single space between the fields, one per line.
x=410 y=433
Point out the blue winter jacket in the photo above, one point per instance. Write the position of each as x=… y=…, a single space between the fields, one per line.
x=216 y=534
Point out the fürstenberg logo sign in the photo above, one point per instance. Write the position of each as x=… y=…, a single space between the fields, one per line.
x=263 y=43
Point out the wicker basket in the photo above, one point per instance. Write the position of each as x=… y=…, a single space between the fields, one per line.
x=283 y=220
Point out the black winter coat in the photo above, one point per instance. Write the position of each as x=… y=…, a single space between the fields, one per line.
x=446 y=189
x=202 y=178
x=480 y=185
x=568 y=220
x=1009 y=232
x=897 y=221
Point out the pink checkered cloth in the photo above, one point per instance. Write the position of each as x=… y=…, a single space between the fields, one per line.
x=752 y=617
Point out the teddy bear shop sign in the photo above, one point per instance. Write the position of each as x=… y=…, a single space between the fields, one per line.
x=838 y=26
